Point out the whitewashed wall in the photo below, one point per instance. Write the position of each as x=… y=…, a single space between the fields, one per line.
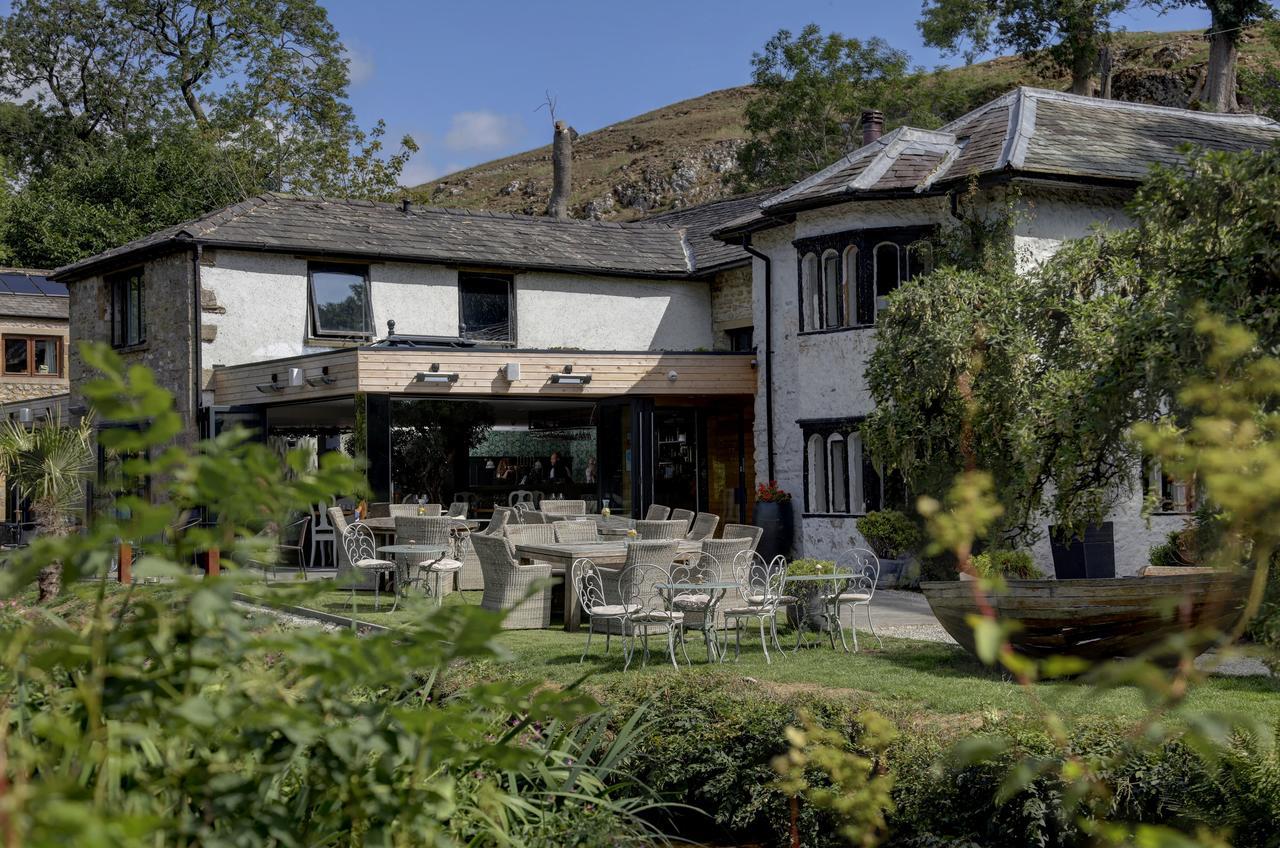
x=823 y=375
x=258 y=304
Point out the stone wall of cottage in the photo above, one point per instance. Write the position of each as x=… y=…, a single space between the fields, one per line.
x=167 y=350
x=14 y=387
x=822 y=375
x=731 y=306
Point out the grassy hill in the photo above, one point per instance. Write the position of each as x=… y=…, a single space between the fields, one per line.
x=680 y=155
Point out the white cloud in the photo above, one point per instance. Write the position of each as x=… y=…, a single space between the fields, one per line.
x=482 y=131
x=420 y=170
x=359 y=65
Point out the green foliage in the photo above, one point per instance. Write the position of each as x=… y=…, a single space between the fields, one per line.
x=812 y=89
x=1070 y=32
x=1260 y=86
x=153 y=715
x=809 y=566
x=1006 y=563
x=430 y=441
x=890 y=533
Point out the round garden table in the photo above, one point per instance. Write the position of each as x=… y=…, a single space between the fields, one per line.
x=418 y=553
x=714 y=590
x=804 y=587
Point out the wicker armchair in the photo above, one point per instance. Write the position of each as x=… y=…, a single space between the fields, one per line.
x=470 y=576
x=569 y=532
x=530 y=534
x=410 y=510
x=743 y=531
x=662 y=529
x=704 y=526
x=532 y=516
x=657 y=512
x=507 y=585
x=684 y=515
x=550 y=507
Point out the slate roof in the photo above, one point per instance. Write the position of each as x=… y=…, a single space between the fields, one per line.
x=27 y=293
x=323 y=226
x=700 y=221
x=1027 y=132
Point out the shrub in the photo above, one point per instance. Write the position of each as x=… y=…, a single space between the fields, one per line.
x=802 y=567
x=890 y=533
x=1005 y=563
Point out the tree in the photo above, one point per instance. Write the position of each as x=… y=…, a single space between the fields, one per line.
x=1070 y=32
x=1041 y=378
x=812 y=90
x=1227 y=20
x=430 y=440
x=48 y=464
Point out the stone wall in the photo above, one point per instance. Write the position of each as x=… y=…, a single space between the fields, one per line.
x=731 y=306
x=167 y=328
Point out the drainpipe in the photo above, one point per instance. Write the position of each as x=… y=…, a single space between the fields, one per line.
x=197 y=352
x=768 y=350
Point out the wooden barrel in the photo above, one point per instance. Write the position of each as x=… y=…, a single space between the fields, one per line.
x=1097 y=619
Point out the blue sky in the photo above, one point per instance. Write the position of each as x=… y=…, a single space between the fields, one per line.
x=465 y=77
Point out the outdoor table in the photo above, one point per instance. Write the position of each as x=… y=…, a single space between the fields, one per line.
x=420 y=552
x=834 y=577
x=610 y=555
x=709 y=588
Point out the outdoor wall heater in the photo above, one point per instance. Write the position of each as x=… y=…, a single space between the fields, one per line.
x=568 y=378
x=435 y=375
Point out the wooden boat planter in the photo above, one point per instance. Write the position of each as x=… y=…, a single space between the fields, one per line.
x=1097 y=619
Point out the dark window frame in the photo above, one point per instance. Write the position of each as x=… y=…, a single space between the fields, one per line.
x=31 y=339
x=863 y=296
x=313 y=308
x=465 y=277
x=877 y=489
x=119 y=287
x=736 y=335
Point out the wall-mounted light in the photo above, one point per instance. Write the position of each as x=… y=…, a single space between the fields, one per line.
x=323 y=380
x=511 y=371
x=297 y=377
x=568 y=378
x=435 y=376
x=273 y=386
x=673 y=375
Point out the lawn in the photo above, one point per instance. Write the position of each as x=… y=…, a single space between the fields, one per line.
x=905 y=678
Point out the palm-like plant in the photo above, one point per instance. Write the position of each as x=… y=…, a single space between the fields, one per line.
x=48 y=464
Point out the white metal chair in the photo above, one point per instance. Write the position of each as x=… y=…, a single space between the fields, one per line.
x=698 y=606
x=761 y=583
x=647 y=608
x=323 y=536
x=591 y=594
x=863 y=569
x=362 y=553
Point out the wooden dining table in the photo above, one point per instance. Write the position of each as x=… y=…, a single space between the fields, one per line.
x=606 y=554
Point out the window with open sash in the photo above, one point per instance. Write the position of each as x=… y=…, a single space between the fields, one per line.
x=846 y=278
x=1168 y=493
x=128 y=308
x=37 y=356
x=486 y=307
x=340 y=302
x=840 y=478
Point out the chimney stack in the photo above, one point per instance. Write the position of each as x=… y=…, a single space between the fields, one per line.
x=872 y=125
x=561 y=176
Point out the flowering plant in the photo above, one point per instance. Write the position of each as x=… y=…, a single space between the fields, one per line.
x=771 y=492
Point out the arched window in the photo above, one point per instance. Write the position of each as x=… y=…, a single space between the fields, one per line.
x=811 y=291
x=919 y=259
x=838 y=473
x=832 y=315
x=817 y=474
x=857 y=498
x=888 y=272
x=849 y=286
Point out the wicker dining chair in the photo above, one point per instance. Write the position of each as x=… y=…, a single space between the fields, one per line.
x=661 y=529
x=684 y=515
x=426 y=530
x=532 y=516
x=470 y=577
x=725 y=552
x=530 y=534
x=410 y=510
x=863 y=569
x=761 y=583
x=588 y=582
x=743 y=531
x=657 y=512
x=509 y=586
x=562 y=507
x=570 y=532
x=702 y=567
x=704 y=526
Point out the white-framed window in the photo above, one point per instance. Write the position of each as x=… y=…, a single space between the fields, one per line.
x=832 y=302
x=838 y=473
x=1169 y=493
x=840 y=478
x=887 y=270
x=849 y=285
x=812 y=291
x=816 y=462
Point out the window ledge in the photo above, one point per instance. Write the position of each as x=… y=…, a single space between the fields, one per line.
x=338 y=342
x=829 y=330
x=32 y=376
x=832 y=514
x=133 y=348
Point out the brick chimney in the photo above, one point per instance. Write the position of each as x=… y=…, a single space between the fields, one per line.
x=872 y=125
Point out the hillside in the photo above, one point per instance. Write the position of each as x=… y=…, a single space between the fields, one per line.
x=681 y=154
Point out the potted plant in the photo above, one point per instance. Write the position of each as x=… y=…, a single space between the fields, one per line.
x=896 y=540
x=1017 y=565
x=809 y=608
x=773 y=516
